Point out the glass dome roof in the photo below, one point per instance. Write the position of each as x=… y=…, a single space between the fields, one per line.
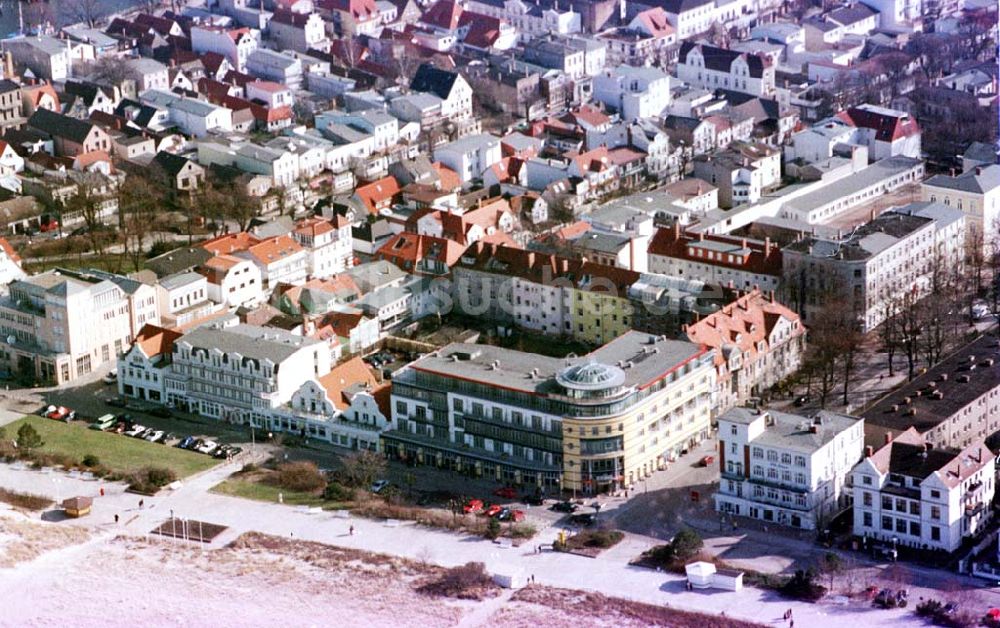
x=591 y=376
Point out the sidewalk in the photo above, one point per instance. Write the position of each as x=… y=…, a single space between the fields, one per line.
x=608 y=574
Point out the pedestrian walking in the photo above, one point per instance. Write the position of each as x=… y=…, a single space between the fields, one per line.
x=116 y=518
x=351 y=530
x=141 y=502
x=102 y=491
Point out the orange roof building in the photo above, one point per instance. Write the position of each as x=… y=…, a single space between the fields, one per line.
x=758 y=342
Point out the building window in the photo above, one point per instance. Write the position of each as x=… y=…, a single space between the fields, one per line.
x=866 y=519
x=936 y=513
x=800 y=461
x=887 y=523
x=886 y=502
x=935 y=533
x=867 y=499
x=866 y=480
x=758 y=452
x=914 y=528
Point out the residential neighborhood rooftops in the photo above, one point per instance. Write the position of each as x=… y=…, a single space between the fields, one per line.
x=261 y=343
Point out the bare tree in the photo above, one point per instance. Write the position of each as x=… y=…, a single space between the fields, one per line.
x=111 y=70
x=139 y=199
x=86 y=11
x=88 y=204
x=910 y=324
x=888 y=334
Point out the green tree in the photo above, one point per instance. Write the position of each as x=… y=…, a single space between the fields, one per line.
x=493 y=528
x=28 y=438
x=686 y=544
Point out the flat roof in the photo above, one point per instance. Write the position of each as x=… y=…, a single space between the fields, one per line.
x=651 y=357
x=793 y=431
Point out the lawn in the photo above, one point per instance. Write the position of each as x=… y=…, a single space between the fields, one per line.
x=118 y=453
x=258 y=491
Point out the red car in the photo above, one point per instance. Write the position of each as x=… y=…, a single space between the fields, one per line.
x=708 y=461
x=511 y=515
x=506 y=492
x=493 y=510
x=60 y=413
x=473 y=506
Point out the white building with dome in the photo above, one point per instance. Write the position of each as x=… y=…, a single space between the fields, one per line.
x=593 y=423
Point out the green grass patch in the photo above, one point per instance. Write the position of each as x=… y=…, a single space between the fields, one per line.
x=118 y=453
x=258 y=491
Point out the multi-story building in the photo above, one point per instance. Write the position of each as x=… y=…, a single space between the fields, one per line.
x=633 y=92
x=351 y=17
x=872 y=266
x=758 y=343
x=742 y=173
x=953 y=404
x=233 y=281
x=451 y=87
x=976 y=193
x=594 y=423
x=347 y=407
x=711 y=68
x=235 y=44
x=328 y=244
x=908 y=493
x=241 y=373
x=470 y=156
x=297 y=31
x=11 y=105
x=740 y=263
x=787 y=469
x=543 y=293
x=142 y=369
x=61 y=325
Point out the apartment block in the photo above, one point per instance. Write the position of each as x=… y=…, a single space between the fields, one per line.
x=787 y=469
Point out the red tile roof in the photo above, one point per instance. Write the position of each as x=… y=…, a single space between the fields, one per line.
x=274 y=249
x=344 y=376
x=230 y=243
x=744 y=323
x=444 y=14
x=378 y=194
x=156 y=341
x=406 y=250
x=762 y=258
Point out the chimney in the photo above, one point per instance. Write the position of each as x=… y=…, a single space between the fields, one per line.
x=979 y=170
x=888 y=437
x=814 y=429
x=767 y=246
x=869 y=451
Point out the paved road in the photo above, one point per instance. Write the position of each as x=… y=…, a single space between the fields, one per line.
x=608 y=574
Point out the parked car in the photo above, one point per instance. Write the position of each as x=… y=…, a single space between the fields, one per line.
x=493 y=510
x=585 y=519
x=707 y=461
x=533 y=500
x=155 y=436
x=801 y=400
x=506 y=492
x=510 y=514
x=221 y=451
x=206 y=447
x=160 y=411
x=111 y=378
x=103 y=423
x=135 y=430
x=60 y=413
x=473 y=506
x=116 y=402
x=378 y=485
x=146 y=433
x=564 y=507
x=186 y=442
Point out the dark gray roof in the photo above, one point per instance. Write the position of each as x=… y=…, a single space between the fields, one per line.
x=58 y=125
x=170 y=163
x=970 y=361
x=7 y=85
x=261 y=343
x=431 y=79
x=178 y=260
x=850 y=14
x=721 y=59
